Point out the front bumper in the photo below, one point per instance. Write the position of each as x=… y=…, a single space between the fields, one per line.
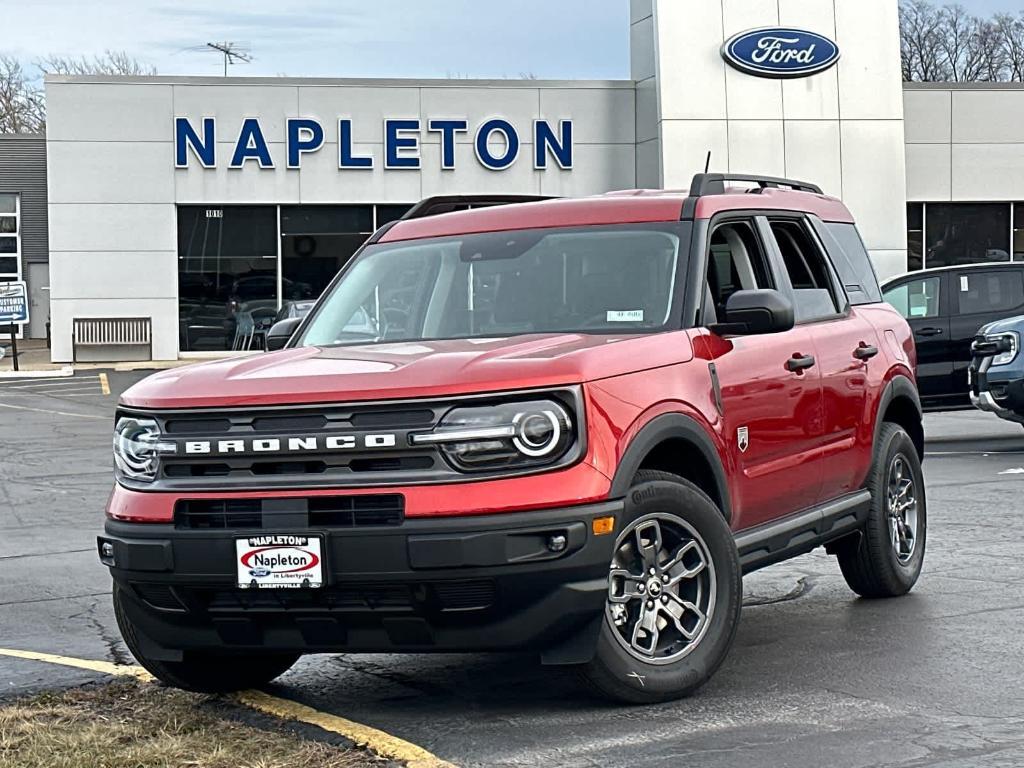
x=442 y=584
x=1002 y=396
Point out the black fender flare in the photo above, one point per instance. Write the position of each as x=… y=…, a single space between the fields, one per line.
x=899 y=386
x=670 y=426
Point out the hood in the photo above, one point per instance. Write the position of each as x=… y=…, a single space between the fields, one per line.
x=1001 y=326
x=407 y=370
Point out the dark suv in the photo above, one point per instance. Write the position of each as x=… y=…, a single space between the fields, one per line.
x=945 y=307
x=566 y=427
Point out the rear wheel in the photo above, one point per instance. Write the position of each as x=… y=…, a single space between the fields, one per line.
x=886 y=560
x=674 y=594
x=204 y=672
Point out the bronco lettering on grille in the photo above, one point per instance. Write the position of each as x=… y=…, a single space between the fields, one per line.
x=290 y=444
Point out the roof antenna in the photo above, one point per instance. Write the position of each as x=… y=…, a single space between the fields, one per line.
x=707 y=163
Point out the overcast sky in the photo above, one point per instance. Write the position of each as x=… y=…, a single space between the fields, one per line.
x=346 y=38
x=340 y=38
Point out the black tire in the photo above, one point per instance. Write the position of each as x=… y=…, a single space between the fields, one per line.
x=619 y=674
x=869 y=562
x=204 y=672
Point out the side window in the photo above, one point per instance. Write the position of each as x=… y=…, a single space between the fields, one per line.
x=916 y=299
x=736 y=262
x=853 y=264
x=813 y=293
x=989 y=291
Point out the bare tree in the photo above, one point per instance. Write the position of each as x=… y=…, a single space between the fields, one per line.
x=21 y=99
x=921 y=27
x=1010 y=30
x=962 y=45
x=109 y=63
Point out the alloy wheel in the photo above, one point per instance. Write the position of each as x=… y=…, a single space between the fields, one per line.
x=661 y=589
x=901 y=508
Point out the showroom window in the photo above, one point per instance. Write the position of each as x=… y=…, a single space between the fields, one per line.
x=316 y=242
x=240 y=267
x=227 y=274
x=965 y=233
x=1018 y=231
x=915 y=236
x=10 y=237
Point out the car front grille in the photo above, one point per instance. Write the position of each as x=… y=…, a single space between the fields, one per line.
x=321 y=446
x=300 y=455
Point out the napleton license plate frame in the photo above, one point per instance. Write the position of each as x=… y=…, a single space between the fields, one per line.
x=290 y=549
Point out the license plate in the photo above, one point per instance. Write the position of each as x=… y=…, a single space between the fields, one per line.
x=279 y=561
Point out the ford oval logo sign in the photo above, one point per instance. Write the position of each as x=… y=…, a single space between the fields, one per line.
x=780 y=52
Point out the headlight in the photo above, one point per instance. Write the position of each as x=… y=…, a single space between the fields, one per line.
x=137 y=448
x=507 y=435
x=1005 y=357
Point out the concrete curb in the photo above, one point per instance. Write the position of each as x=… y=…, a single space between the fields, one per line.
x=39 y=373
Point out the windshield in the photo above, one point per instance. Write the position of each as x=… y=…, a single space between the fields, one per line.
x=608 y=279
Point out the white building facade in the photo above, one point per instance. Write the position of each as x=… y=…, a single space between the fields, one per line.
x=208 y=204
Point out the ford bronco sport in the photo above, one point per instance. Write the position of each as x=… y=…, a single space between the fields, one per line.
x=567 y=427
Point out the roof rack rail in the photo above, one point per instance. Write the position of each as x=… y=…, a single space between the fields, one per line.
x=432 y=206
x=714 y=183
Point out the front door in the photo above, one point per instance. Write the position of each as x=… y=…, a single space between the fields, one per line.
x=922 y=301
x=772 y=422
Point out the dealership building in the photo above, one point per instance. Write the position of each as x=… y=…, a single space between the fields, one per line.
x=197 y=206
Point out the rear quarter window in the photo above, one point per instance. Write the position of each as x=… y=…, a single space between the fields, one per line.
x=852 y=262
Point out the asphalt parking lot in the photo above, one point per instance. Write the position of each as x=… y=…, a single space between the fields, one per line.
x=817 y=676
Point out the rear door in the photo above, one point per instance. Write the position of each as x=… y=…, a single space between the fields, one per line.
x=978 y=296
x=771 y=413
x=924 y=300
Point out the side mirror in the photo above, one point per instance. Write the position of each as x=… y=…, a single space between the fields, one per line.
x=763 y=310
x=280 y=332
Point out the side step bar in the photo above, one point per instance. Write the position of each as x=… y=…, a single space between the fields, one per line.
x=801 y=532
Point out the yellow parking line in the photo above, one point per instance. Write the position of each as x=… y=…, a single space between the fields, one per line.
x=104 y=384
x=103 y=667
x=383 y=744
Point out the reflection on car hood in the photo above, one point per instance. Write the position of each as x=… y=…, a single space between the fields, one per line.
x=407 y=369
x=1006 y=324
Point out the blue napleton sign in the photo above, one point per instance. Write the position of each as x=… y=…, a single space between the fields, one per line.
x=402 y=138
x=780 y=52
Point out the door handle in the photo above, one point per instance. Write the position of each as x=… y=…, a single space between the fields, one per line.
x=928 y=331
x=797 y=363
x=865 y=351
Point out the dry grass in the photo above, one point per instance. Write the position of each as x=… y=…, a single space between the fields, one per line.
x=131 y=725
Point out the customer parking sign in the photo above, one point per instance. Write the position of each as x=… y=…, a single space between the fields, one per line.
x=13 y=303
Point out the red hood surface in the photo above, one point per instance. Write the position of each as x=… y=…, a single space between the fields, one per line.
x=406 y=370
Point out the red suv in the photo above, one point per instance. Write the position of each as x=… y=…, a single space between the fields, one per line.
x=563 y=426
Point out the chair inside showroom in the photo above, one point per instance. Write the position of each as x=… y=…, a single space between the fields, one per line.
x=245 y=331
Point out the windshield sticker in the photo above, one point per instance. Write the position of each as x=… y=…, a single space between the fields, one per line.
x=624 y=316
x=964 y=284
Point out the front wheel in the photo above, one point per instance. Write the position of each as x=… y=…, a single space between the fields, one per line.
x=674 y=595
x=886 y=560
x=204 y=672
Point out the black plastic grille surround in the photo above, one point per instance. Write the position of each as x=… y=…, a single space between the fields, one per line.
x=289 y=465
x=418 y=597
x=311 y=512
